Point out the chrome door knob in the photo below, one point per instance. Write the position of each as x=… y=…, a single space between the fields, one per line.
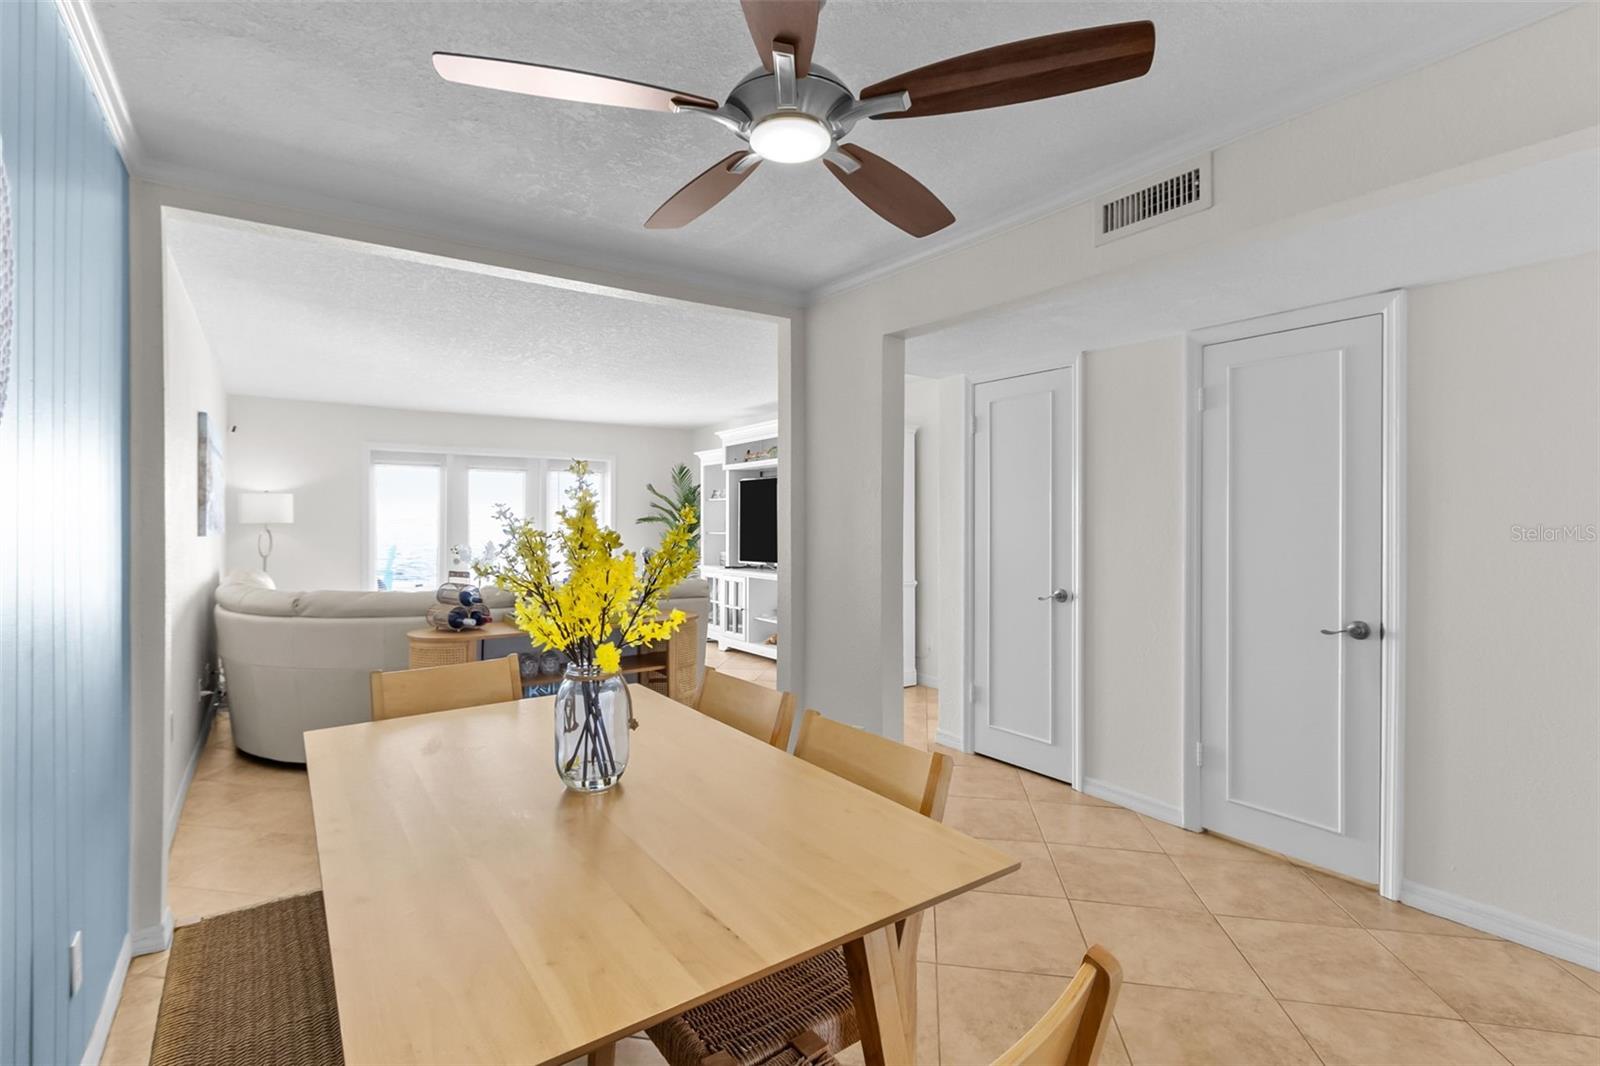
x=1059 y=595
x=1355 y=631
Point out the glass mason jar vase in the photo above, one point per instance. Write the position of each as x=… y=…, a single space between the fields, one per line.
x=593 y=716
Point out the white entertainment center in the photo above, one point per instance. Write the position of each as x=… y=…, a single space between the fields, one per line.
x=741 y=577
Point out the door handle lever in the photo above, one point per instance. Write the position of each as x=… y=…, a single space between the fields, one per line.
x=1059 y=595
x=1355 y=631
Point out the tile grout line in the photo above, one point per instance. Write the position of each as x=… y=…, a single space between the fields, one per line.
x=1528 y=1029
x=1246 y=959
x=1492 y=1045
x=1076 y=924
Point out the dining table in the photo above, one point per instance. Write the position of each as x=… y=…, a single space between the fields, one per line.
x=478 y=911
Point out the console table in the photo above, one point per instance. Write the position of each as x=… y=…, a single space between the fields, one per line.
x=676 y=659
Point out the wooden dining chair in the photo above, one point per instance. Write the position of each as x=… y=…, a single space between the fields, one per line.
x=1073 y=1030
x=1071 y=1033
x=399 y=693
x=764 y=713
x=810 y=1004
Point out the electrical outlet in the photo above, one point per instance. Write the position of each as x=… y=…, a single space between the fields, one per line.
x=75 y=961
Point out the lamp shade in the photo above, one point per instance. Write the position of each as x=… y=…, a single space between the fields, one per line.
x=266 y=508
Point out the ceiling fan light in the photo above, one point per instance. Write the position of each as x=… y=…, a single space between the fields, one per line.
x=790 y=138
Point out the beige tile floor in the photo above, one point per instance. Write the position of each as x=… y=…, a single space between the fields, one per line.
x=1231 y=956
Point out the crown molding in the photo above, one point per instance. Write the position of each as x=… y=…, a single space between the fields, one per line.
x=84 y=32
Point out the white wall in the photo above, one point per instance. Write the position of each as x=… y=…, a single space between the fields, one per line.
x=1133 y=568
x=923 y=411
x=1433 y=129
x=1502 y=797
x=318 y=452
x=1502 y=790
x=193 y=562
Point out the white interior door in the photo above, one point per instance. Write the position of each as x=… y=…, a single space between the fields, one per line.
x=1024 y=562
x=1291 y=591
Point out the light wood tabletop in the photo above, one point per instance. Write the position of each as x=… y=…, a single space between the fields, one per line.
x=479 y=912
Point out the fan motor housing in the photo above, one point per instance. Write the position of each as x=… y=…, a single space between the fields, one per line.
x=820 y=95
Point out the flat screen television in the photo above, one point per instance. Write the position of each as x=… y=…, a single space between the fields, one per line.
x=758 y=520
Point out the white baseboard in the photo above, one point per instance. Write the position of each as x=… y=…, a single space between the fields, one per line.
x=1134 y=801
x=927 y=680
x=153 y=938
x=1502 y=923
x=108 y=1006
x=170 y=826
x=948 y=739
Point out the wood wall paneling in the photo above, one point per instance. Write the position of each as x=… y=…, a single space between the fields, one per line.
x=63 y=549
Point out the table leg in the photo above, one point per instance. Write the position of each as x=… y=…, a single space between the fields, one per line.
x=602 y=1056
x=875 y=983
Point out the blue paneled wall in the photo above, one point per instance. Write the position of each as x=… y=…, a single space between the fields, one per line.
x=63 y=548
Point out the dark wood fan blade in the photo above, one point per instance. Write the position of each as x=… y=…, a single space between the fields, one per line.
x=793 y=22
x=701 y=194
x=557 y=83
x=1015 y=73
x=892 y=193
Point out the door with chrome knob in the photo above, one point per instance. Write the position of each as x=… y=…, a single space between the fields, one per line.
x=1291 y=582
x=1024 y=566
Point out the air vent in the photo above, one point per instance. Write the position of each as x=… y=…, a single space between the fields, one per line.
x=1178 y=191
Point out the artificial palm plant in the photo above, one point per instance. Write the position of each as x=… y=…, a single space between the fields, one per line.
x=680 y=508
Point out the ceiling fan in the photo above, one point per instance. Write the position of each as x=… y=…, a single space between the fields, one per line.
x=791 y=110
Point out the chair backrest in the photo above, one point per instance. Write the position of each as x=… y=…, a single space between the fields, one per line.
x=398 y=693
x=764 y=713
x=1073 y=1030
x=916 y=779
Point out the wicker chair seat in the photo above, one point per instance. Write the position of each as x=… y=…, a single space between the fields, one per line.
x=805 y=1050
x=756 y=1025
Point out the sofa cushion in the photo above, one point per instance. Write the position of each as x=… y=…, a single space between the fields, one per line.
x=253 y=578
x=690 y=588
x=246 y=598
x=249 y=599
x=345 y=603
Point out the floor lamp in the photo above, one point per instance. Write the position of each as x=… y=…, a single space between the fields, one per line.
x=266 y=509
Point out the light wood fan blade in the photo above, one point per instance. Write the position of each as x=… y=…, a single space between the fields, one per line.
x=1015 y=73
x=892 y=193
x=702 y=194
x=794 y=22
x=557 y=83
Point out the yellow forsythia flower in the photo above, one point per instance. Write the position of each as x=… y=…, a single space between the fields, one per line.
x=600 y=598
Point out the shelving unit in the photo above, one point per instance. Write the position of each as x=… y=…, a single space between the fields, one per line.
x=744 y=600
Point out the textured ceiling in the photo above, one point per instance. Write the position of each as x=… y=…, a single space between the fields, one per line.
x=337 y=102
x=299 y=316
x=1544 y=211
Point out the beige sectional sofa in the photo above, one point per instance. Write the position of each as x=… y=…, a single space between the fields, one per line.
x=301 y=660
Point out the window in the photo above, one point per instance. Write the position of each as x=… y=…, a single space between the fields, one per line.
x=558 y=484
x=424 y=503
x=489 y=489
x=405 y=524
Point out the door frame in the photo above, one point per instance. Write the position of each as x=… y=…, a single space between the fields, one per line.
x=1391 y=307
x=1075 y=363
